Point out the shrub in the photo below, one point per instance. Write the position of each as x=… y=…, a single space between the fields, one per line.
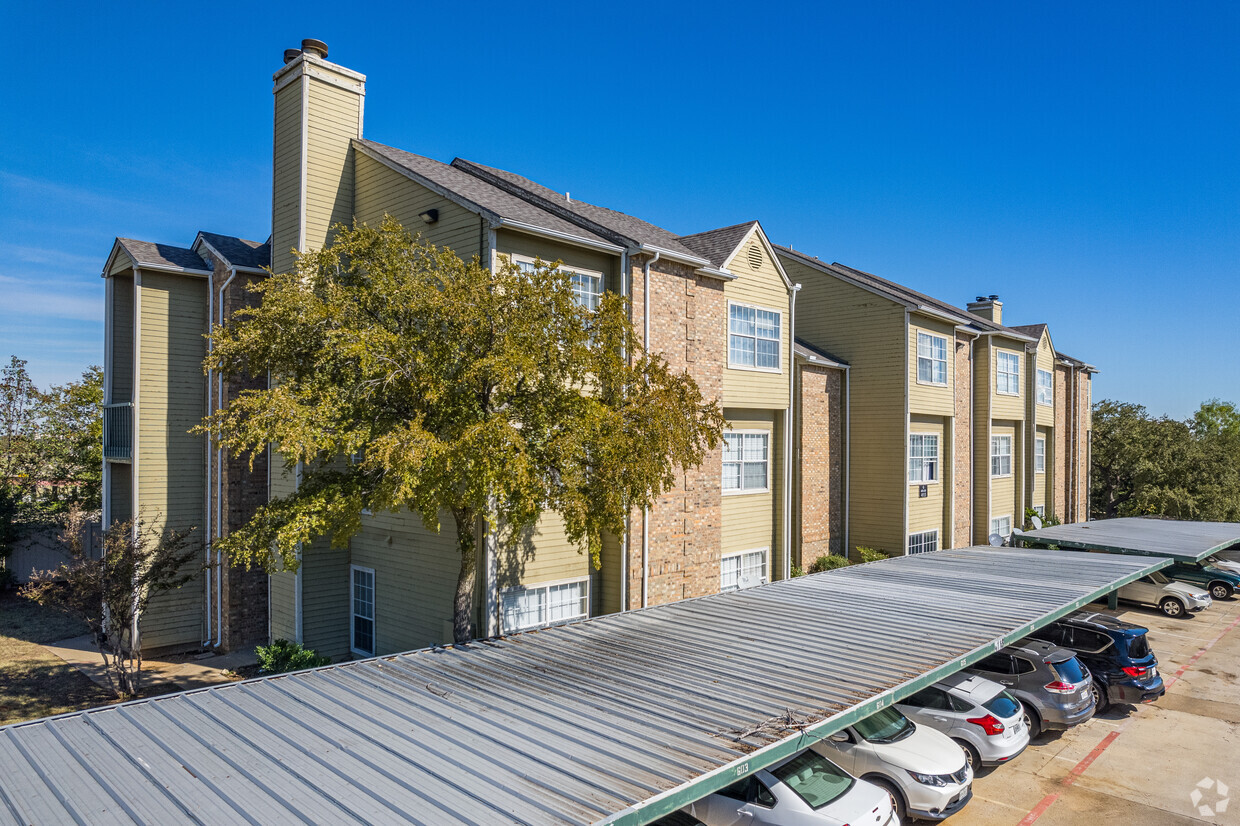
x=282 y=656
x=828 y=562
x=870 y=554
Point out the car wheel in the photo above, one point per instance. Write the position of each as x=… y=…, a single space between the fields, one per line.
x=897 y=799
x=971 y=756
x=1221 y=590
x=1032 y=722
x=1102 y=701
x=1172 y=607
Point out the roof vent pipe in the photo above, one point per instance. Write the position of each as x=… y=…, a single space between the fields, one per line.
x=314 y=48
x=290 y=55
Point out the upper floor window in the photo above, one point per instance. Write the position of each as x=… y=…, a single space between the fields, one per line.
x=587 y=285
x=530 y=607
x=742 y=570
x=753 y=337
x=1007 y=373
x=923 y=457
x=1039 y=455
x=931 y=359
x=746 y=461
x=1046 y=393
x=1000 y=455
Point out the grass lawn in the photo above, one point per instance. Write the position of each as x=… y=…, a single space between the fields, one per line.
x=33 y=683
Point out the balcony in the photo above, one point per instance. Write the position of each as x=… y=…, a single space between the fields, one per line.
x=118 y=431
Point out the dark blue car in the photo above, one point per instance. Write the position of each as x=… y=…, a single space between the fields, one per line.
x=1117 y=653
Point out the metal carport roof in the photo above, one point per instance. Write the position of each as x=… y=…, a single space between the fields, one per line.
x=1170 y=538
x=617 y=719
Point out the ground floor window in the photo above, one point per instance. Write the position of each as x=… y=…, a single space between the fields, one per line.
x=920 y=543
x=742 y=570
x=1040 y=510
x=362 y=638
x=1001 y=525
x=537 y=605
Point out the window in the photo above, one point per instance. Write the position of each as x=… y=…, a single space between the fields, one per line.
x=1001 y=525
x=753 y=337
x=362 y=638
x=1007 y=373
x=930 y=697
x=587 y=286
x=539 y=605
x=1040 y=510
x=997 y=664
x=1039 y=454
x=1000 y=455
x=746 y=461
x=742 y=570
x=931 y=359
x=1046 y=393
x=920 y=543
x=923 y=457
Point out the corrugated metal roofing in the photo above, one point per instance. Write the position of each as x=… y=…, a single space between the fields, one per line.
x=1171 y=538
x=619 y=718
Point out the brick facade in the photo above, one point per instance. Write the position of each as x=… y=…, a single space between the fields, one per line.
x=1073 y=423
x=688 y=329
x=818 y=509
x=962 y=445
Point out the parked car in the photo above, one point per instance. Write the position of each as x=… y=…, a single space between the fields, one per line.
x=804 y=790
x=983 y=719
x=924 y=771
x=1221 y=583
x=1176 y=599
x=1117 y=654
x=1052 y=685
x=1227 y=560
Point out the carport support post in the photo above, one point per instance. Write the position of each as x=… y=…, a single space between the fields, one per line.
x=1113 y=600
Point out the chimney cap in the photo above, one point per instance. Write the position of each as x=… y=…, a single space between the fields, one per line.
x=290 y=55
x=316 y=48
x=993 y=297
x=980 y=298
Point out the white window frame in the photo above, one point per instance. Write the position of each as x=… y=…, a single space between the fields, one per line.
x=917 y=473
x=996 y=441
x=1046 y=399
x=742 y=490
x=1039 y=454
x=1040 y=510
x=779 y=339
x=545 y=603
x=740 y=555
x=930 y=359
x=1012 y=377
x=922 y=540
x=525 y=264
x=994 y=525
x=354 y=570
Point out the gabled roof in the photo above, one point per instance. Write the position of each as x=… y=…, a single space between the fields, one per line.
x=718 y=245
x=901 y=294
x=477 y=195
x=1075 y=362
x=158 y=256
x=816 y=355
x=237 y=251
x=1034 y=331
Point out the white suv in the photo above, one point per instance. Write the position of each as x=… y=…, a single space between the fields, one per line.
x=1174 y=598
x=977 y=713
x=924 y=770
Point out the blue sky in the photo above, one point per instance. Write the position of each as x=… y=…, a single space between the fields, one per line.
x=1079 y=160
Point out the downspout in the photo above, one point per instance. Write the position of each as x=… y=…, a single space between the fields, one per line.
x=646 y=510
x=210 y=376
x=792 y=362
x=847 y=449
x=624 y=540
x=219 y=482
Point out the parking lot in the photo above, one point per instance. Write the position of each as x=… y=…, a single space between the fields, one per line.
x=1138 y=765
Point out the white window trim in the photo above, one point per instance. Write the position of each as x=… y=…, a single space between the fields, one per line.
x=1018 y=372
x=728 y=340
x=1038 y=371
x=602 y=280
x=374 y=621
x=1039 y=440
x=909 y=542
x=770 y=461
x=938 y=460
x=532 y=586
x=917 y=353
x=766 y=564
x=1040 y=510
x=994 y=529
x=1010 y=454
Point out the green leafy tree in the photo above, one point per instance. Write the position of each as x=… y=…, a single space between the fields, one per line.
x=489 y=396
x=70 y=441
x=19 y=401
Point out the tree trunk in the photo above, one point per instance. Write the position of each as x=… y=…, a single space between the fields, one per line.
x=463 y=604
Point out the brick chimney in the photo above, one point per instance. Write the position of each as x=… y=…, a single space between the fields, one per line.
x=988 y=307
x=318 y=112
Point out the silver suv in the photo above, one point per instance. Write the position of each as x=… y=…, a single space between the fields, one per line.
x=1052 y=685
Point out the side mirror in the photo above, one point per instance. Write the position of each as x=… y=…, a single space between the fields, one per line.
x=840 y=737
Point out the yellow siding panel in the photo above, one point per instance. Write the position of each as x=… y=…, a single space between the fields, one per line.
x=329 y=165
x=282 y=595
x=764 y=288
x=543 y=554
x=926 y=398
x=325 y=598
x=532 y=246
x=1004 y=490
x=1041 y=481
x=1004 y=406
x=1045 y=361
x=929 y=514
x=286 y=176
x=751 y=520
x=121 y=368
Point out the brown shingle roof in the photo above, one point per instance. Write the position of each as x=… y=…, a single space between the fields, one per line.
x=161 y=255
x=717 y=245
x=238 y=251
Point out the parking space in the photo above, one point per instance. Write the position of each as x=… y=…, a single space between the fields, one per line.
x=1138 y=765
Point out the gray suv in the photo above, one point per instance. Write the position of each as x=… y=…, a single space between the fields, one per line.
x=1050 y=682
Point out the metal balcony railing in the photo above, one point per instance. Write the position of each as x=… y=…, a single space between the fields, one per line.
x=118 y=431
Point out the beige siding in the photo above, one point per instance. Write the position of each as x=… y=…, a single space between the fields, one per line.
x=607 y=598
x=532 y=246
x=1005 y=406
x=764 y=288
x=929 y=514
x=1045 y=413
x=282 y=599
x=333 y=123
x=121 y=263
x=325 y=598
x=1042 y=482
x=543 y=554
x=171 y=400
x=868 y=332
x=751 y=520
x=1004 y=490
x=286 y=176
x=381 y=190
x=925 y=398
x=121 y=367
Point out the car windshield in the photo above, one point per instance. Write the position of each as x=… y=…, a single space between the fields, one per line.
x=887 y=726
x=814 y=778
x=1138 y=647
x=1002 y=705
x=1159 y=578
x=1069 y=670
